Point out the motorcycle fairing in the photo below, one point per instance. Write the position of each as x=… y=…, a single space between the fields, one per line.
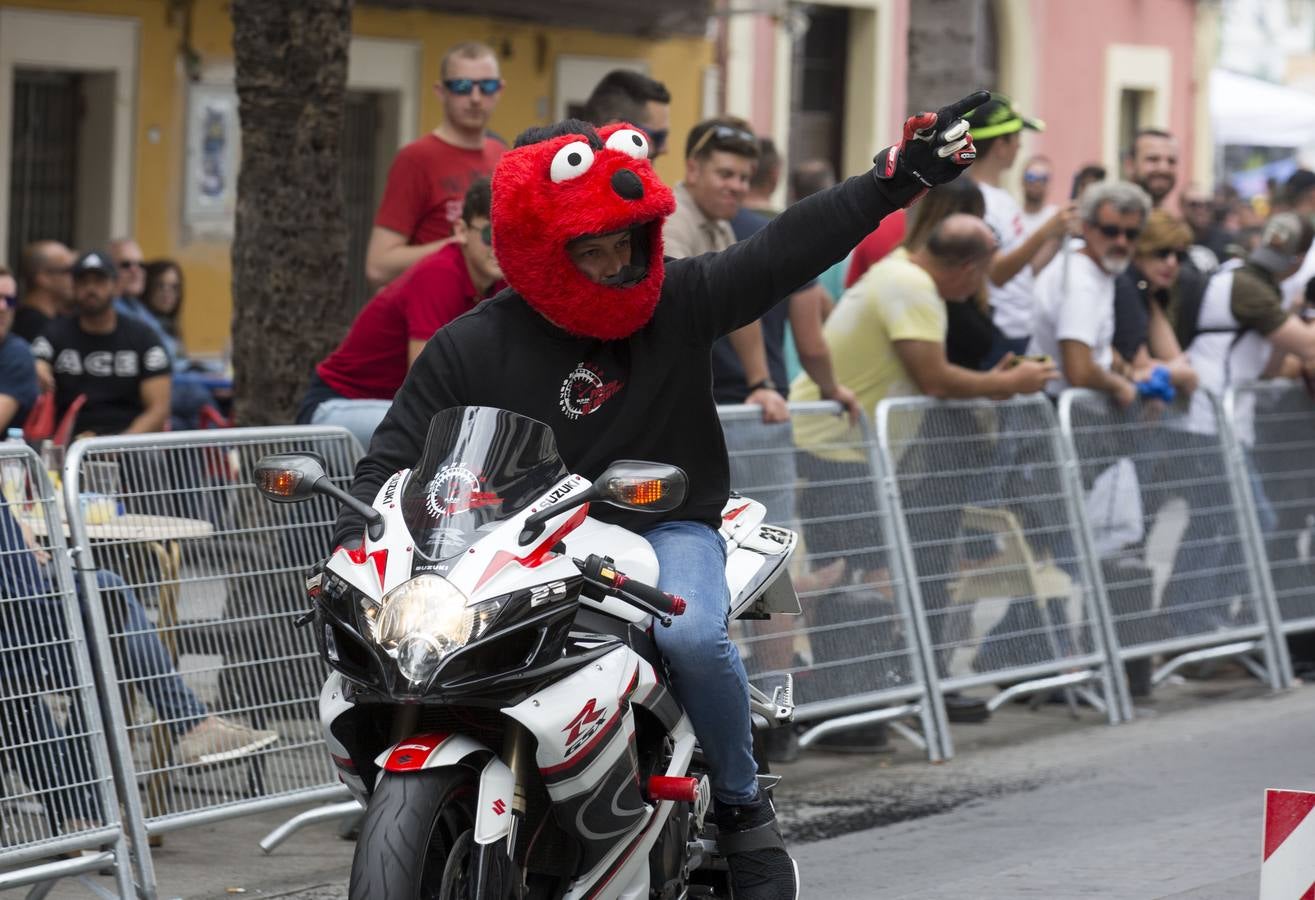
x=585 y=731
x=333 y=704
x=756 y=557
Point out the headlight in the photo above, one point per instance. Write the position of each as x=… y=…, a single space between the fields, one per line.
x=427 y=618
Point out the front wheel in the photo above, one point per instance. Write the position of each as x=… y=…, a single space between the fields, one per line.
x=415 y=841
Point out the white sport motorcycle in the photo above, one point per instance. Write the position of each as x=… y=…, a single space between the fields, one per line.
x=497 y=702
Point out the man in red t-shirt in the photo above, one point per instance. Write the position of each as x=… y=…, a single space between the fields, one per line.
x=354 y=386
x=429 y=176
x=876 y=246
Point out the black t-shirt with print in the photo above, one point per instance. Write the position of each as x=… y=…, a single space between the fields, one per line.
x=648 y=396
x=107 y=368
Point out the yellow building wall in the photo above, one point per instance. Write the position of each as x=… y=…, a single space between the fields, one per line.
x=528 y=57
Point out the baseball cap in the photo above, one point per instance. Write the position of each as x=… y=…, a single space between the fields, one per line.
x=997 y=117
x=94 y=261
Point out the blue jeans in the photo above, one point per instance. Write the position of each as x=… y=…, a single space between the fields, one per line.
x=707 y=674
x=142 y=659
x=360 y=417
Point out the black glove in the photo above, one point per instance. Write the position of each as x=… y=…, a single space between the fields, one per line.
x=935 y=149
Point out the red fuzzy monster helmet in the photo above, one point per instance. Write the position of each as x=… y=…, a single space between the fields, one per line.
x=581 y=183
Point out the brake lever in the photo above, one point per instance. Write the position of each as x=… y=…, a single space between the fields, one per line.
x=304 y=619
x=609 y=587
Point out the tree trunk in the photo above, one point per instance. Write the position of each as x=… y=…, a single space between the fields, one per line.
x=952 y=50
x=290 y=303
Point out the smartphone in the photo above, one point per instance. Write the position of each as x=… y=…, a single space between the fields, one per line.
x=1036 y=358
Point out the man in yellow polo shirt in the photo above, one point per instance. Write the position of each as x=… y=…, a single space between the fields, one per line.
x=887 y=339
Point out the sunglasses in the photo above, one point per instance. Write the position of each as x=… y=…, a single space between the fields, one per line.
x=463 y=86
x=1113 y=231
x=126 y=264
x=486 y=235
x=723 y=133
x=1165 y=253
x=656 y=139
x=1034 y=177
x=9 y=301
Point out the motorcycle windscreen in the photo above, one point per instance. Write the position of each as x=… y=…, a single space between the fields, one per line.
x=479 y=467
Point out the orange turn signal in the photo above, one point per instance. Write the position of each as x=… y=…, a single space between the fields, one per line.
x=280 y=482
x=639 y=492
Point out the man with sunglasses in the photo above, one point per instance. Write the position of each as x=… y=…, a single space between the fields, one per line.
x=423 y=196
x=18 y=376
x=1074 y=318
x=1037 y=173
x=355 y=384
x=47 y=268
x=721 y=156
x=627 y=96
x=130 y=283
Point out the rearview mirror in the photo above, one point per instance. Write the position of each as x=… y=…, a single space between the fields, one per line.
x=642 y=486
x=629 y=484
x=293 y=477
x=289 y=477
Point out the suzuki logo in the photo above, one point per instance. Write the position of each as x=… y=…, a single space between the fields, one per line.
x=499 y=807
x=586 y=716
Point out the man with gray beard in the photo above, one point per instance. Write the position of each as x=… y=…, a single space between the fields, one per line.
x=1073 y=321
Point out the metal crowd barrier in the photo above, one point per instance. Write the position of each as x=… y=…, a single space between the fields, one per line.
x=1274 y=424
x=854 y=653
x=58 y=813
x=991 y=530
x=216 y=709
x=1151 y=472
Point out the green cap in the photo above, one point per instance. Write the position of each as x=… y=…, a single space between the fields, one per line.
x=997 y=117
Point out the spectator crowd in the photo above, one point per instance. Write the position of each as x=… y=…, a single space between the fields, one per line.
x=1129 y=283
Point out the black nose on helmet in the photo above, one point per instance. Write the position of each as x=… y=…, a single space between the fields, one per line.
x=627 y=185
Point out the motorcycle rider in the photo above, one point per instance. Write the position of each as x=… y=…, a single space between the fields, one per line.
x=608 y=343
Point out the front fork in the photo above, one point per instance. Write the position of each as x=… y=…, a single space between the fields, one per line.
x=494 y=872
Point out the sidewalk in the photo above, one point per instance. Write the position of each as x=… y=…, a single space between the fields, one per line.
x=817 y=799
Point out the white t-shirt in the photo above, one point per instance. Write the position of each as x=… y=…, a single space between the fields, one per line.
x=1294 y=286
x=1033 y=221
x=1081 y=310
x=1012 y=301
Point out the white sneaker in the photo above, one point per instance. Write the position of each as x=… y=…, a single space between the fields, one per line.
x=217 y=740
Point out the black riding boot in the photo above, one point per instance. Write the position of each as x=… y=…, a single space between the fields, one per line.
x=751 y=841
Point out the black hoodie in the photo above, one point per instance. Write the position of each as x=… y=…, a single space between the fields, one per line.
x=648 y=396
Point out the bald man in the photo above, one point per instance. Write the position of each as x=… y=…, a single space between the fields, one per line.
x=47 y=268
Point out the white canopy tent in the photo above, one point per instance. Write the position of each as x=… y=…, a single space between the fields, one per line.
x=1251 y=112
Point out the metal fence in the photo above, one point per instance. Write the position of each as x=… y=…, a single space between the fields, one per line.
x=58 y=794
x=194 y=582
x=992 y=534
x=1276 y=434
x=1171 y=532
x=854 y=652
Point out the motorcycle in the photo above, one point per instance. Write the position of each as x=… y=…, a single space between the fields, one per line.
x=497 y=702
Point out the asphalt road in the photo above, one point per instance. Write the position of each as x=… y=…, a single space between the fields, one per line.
x=1166 y=807
x=1035 y=804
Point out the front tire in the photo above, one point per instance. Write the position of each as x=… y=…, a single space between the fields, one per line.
x=412 y=826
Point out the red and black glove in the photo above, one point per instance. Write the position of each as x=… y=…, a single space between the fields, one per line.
x=935 y=149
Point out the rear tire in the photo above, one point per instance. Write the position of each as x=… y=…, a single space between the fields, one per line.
x=412 y=825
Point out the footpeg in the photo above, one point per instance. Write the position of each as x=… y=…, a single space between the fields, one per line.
x=773 y=703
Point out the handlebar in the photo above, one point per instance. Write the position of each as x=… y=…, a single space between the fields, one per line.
x=600 y=574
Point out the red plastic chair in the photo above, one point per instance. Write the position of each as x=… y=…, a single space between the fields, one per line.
x=40 y=424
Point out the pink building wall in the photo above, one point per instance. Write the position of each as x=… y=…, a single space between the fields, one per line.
x=1069 y=46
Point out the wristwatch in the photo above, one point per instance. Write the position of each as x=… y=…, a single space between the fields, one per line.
x=765 y=383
